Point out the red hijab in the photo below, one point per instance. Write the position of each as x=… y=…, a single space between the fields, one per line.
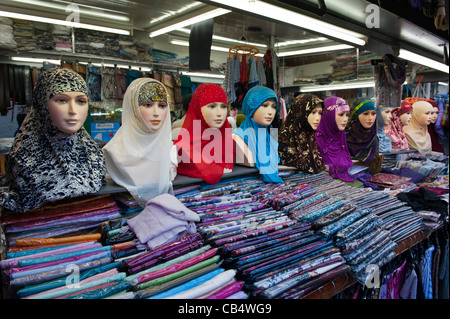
x=200 y=154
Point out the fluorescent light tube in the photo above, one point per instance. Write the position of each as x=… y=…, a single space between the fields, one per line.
x=419 y=59
x=315 y=50
x=34 y=60
x=443 y=83
x=287 y=16
x=92 y=12
x=193 y=20
x=337 y=86
x=62 y=22
x=293 y=42
x=207 y=75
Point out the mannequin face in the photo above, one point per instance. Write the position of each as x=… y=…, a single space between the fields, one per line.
x=367 y=118
x=314 y=117
x=387 y=115
x=425 y=118
x=342 y=119
x=154 y=114
x=434 y=115
x=68 y=111
x=405 y=118
x=265 y=113
x=215 y=114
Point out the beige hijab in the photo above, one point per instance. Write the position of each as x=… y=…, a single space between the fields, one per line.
x=416 y=134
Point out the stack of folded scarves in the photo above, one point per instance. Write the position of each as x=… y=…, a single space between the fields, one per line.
x=47 y=246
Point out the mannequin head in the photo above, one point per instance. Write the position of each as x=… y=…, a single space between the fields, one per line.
x=68 y=111
x=265 y=113
x=367 y=118
x=405 y=118
x=315 y=116
x=342 y=119
x=405 y=112
x=387 y=115
x=153 y=105
x=422 y=113
x=434 y=113
x=215 y=114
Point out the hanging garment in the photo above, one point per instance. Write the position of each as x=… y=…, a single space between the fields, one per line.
x=252 y=74
x=235 y=80
x=163 y=220
x=409 y=288
x=385 y=144
x=395 y=129
x=297 y=142
x=435 y=145
x=46 y=164
x=331 y=141
x=138 y=158
x=417 y=134
x=257 y=137
x=94 y=83
x=388 y=81
x=427 y=279
x=191 y=143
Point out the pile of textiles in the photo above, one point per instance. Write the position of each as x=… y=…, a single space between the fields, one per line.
x=24 y=35
x=161 y=56
x=274 y=255
x=349 y=222
x=344 y=66
x=47 y=246
x=365 y=68
x=426 y=164
x=7 y=41
x=128 y=50
x=62 y=36
x=185 y=268
x=44 y=38
x=97 y=43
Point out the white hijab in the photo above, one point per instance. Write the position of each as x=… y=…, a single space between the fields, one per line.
x=136 y=157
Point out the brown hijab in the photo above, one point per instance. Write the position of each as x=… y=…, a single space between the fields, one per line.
x=297 y=143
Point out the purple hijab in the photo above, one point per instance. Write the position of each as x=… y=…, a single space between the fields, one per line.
x=332 y=142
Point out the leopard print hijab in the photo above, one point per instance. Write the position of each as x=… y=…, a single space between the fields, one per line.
x=45 y=164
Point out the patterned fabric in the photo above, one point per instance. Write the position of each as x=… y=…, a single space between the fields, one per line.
x=395 y=132
x=362 y=143
x=297 y=142
x=427 y=279
x=46 y=164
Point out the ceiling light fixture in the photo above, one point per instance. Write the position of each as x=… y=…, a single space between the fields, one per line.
x=337 y=86
x=91 y=11
x=287 y=16
x=172 y=13
x=304 y=41
x=207 y=75
x=315 y=50
x=62 y=22
x=34 y=60
x=224 y=39
x=201 y=17
x=419 y=59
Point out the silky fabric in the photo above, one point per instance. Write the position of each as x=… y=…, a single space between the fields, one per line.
x=416 y=134
x=362 y=143
x=385 y=144
x=435 y=145
x=395 y=131
x=163 y=220
x=257 y=137
x=45 y=164
x=136 y=157
x=332 y=142
x=193 y=144
x=297 y=141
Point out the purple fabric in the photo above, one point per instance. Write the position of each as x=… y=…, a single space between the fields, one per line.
x=163 y=220
x=332 y=142
x=414 y=176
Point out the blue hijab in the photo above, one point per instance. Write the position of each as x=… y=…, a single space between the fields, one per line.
x=257 y=136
